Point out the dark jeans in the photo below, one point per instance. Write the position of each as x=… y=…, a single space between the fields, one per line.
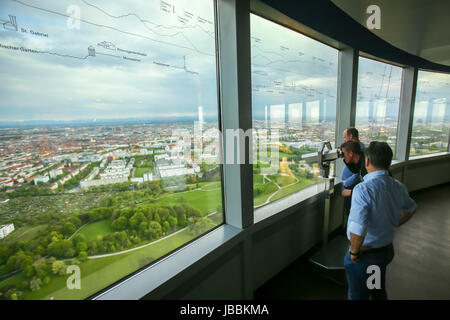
x=357 y=275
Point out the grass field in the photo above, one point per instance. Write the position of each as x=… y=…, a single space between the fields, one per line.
x=269 y=188
x=303 y=183
x=24 y=233
x=93 y=230
x=205 y=201
x=139 y=172
x=257 y=179
x=211 y=185
x=282 y=181
x=286 y=155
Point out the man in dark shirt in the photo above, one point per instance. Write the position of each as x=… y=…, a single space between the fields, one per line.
x=354 y=161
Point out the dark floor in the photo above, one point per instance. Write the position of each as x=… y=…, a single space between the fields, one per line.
x=420 y=269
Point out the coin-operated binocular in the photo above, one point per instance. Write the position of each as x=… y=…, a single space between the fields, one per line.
x=324 y=158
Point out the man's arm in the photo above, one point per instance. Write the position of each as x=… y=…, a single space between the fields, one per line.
x=352 y=180
x=355 y=246
x=357 y=221
x=406 y=216
x=408 y=207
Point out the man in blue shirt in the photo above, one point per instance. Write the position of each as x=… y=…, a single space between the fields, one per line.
x=379 y=205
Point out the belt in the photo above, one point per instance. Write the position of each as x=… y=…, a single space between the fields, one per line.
x=369 y=250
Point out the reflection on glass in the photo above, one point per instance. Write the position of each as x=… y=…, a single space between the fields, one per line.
x=431 y=124
x=294 y=83
x=100 y=106
x=378 y=100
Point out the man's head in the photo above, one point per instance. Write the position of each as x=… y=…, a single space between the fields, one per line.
x=351 y=151
x=378 y=156
x=351 y=134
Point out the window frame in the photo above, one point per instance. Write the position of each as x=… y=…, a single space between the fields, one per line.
x=435 y=154
x=267 y=210
x=403 y=68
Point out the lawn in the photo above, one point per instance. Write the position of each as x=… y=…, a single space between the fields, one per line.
x=289 y=156
x=303 y=183
x=93 y=230
x=24 y=233
x=269 y=188
x=211 y=185
x=206 y=201
x=139 y=172
x=257 y=179
x=282 y=181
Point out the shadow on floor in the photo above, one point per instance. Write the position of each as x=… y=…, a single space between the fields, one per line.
x=303 y=280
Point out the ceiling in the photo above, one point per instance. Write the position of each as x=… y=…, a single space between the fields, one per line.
x=419 y=27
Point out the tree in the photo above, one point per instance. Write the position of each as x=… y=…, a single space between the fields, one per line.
x=83 y=256
x=166 y=226
x=182 y=221
x=35 y=284
x=81 y=246
x=69 y=228
x=120 y=224
x=136 y=219
x=201 y=226
x=163 y=213
x=172 y=221
x=59 y=268
x=28 y=271
x=155 y=229
x=143 y=226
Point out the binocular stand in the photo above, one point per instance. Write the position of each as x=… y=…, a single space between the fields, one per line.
x=329 y=259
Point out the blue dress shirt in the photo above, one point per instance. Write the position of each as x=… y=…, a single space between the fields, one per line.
x=378 y=203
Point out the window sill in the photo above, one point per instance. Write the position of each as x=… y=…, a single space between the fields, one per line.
x=140 y=284
x=420 y=159
x=431 y=156
x=289 y=201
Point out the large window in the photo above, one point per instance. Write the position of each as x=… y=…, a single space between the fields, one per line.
x=378 y=101
x=431 y=124
x=294 y=93
x=108 y=140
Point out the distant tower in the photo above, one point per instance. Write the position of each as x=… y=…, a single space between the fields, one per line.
x=200 y=114
x=266 y=118
x=200 y=119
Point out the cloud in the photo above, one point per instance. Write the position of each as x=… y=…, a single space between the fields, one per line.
x=64 y=82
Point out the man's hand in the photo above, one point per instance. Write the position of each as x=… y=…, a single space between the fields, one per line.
x=346 y=193
x=354 y=258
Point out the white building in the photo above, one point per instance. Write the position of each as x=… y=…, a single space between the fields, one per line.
x=43 y=179
x=174 y=171
x=137 y=180
x=54 y=173
x=148 y=177
x=6 y=229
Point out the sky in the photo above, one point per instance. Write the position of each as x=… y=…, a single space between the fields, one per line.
x=177 y=73
x=64 y=84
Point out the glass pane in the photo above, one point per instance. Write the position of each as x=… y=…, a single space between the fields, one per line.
x=378 y=101
x=101 y=103
x=431 y=124
x=294 y=83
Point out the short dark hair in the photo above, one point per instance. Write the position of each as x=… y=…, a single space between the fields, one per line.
x=352 y=146
x=353 y=131
x=380 y=154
